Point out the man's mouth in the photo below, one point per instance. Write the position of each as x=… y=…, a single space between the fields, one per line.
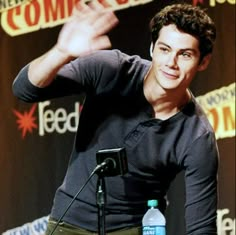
x=170 y=75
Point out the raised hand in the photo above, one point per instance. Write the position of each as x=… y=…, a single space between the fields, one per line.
x=86 y=29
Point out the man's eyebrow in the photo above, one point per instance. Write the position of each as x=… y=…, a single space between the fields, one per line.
x=163 y=44
x=181 y=49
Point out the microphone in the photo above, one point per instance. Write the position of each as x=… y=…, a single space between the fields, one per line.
x=112 y=162
x=108 y=164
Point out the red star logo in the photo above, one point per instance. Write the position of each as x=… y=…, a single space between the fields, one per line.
x=26 y=121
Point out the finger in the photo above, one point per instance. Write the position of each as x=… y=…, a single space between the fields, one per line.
x=105 y=22
x=95 y=5
x=102 y=42
x=87 y=12
x=88 y=7
x=81 y=8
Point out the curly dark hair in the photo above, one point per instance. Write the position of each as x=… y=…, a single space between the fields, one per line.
x=189 y=19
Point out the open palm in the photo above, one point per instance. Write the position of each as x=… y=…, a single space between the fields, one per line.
x=86 y=29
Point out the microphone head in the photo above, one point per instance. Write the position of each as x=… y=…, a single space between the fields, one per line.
x=115 y=161
x=110 y=163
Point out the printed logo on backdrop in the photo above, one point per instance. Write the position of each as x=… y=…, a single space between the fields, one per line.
x=225 y=225
x=37 y=227
x=47 y=120
x=39 y=14
x=8 y=4
x=219 y=106
x=26 y=121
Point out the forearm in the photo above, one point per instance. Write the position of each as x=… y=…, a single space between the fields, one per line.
x=42 y=70
x=201 y=186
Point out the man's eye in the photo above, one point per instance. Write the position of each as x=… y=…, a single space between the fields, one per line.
x=186 y=55
x=163 y=49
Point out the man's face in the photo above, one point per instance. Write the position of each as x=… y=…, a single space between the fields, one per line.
x=176 y=58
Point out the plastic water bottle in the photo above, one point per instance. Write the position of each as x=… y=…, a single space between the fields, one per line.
x=153 y=221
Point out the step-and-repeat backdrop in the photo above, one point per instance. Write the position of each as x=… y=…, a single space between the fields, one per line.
x=36 y=139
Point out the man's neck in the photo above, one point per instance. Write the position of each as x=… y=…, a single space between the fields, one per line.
x=165 y=103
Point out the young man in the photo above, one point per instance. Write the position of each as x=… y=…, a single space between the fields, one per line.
x=144 y=106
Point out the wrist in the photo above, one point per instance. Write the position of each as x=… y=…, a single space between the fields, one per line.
x=61 y=54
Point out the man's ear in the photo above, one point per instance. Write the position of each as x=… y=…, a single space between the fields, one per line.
x=204 y=63
x=151 y=50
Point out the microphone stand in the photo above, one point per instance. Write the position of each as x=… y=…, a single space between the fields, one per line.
x=112 y=162
x=97 y=170
x=101 y=201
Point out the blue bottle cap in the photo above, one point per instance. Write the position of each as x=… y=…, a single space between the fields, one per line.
x=152 y=203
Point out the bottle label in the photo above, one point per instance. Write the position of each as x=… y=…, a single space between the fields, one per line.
x=154 y=230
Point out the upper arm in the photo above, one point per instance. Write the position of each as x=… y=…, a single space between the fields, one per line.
x=87 y=74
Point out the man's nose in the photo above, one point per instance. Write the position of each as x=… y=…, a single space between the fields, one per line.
x=172 y=60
